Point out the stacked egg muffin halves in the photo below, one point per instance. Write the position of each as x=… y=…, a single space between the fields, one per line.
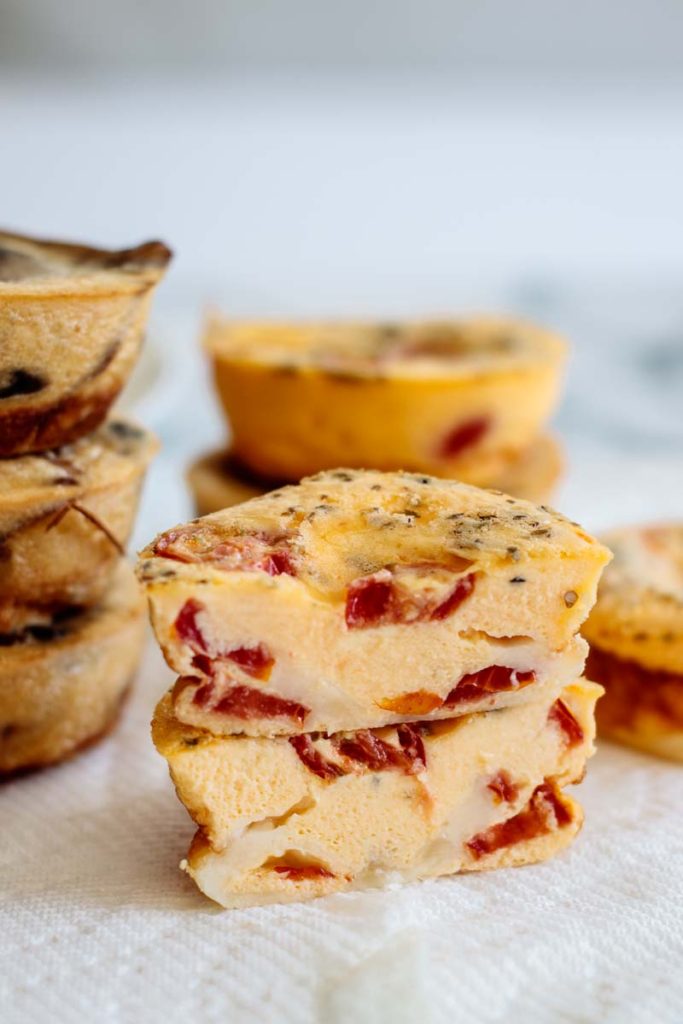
x=72 y=320
x=379 y=679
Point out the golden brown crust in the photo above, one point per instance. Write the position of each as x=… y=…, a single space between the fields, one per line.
x=40 y=429
x=458 y=348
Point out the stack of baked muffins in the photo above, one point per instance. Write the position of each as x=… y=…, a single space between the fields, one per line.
x=468 y=400
x=72 y=320
x=379 y=681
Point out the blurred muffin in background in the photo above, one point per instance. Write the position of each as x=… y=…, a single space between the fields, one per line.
x=467 y=399
x=635 y=632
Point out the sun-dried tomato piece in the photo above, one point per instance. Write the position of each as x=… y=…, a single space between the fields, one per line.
x=202 y=542
x=413 y=747
x=203 y=694
x=494 y=679
x=198 y=542
x=187 y=627
x=562 y=717
x=545 y=812
x=166 y=546
x=313 y=759
x=246 y=702
x=552 y=796
x=369 y=601
x=503 y=788
x=417 y=702
x=301 y=872
x=255 y=661
x=462 y=590
x=464 y=436
x=387 y=597
x=366 y=748
x=278 y=563
x=204 y=664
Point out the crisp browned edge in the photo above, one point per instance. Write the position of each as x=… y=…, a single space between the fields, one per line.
x=226 y=463
x=23 y=431
x=154 y=253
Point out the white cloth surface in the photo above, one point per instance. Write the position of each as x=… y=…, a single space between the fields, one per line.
x=97 y=922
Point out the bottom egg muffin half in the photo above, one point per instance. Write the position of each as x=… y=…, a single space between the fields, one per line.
x=218 y=480
x=635 y=633
x=290 y=818
x=61 y=685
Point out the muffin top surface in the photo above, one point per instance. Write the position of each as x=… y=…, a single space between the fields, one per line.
x=648 y=563
x=37 y=265
x=453 y=347
x=638 y=615
x=340 y=524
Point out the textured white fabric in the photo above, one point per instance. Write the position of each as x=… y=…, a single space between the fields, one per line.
x=97 y=923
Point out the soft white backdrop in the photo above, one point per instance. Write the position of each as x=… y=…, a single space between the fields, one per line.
x=602 y=35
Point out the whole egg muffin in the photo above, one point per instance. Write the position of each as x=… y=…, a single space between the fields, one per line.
x=458 y=399
x=62 y=683
x=635 y=632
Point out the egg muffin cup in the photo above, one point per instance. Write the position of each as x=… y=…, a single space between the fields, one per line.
x=62 y=684
x=635 y=632
x=457 y=399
